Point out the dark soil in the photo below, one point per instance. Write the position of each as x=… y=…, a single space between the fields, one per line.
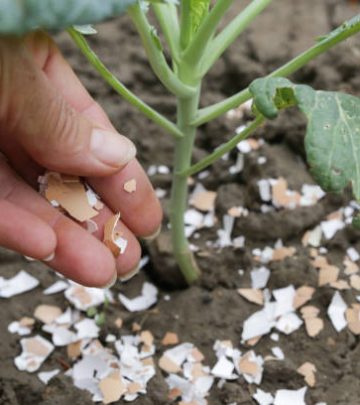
x=217 y=311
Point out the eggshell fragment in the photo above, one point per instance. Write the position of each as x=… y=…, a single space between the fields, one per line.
x=113 y=239
x=130 y=186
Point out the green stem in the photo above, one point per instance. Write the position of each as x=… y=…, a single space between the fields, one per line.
x=155 y=55
x=223 y=40
x=207 y=29
x=179 y=191
x=166 y=14
x=122 y=90
x=223 y=149
x=340 y=34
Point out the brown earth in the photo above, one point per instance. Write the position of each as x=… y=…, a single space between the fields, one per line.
x=217 y=311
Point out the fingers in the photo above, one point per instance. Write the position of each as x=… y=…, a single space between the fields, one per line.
x=25 y=233
x=140 y=210
x=78 y=255
x=51 y=131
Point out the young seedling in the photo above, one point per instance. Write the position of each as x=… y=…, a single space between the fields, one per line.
x=192 y=36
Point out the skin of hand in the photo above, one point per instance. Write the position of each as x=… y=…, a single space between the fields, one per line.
x=49 y=121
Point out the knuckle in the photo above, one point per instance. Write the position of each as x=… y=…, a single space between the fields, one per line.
x=61 y=129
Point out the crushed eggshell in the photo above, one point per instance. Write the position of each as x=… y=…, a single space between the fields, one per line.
x=84 y=298
x=293 y=397
x=118 y=323
x=353 y=318
x=145 y=300
x=283 y=252
x=203 y=200
x=302 y=296
x=130 y=186
x=73 y=350
x=355 y=281
x=112 y=387
x=57 y=287
x=252 y=294
x=20 y=283
x=20 y=327
x=46 y=376
x=259 y=277
x=312 y=237
x=258 y=324
x=308 y=370
x=262 y=397
x=278 y=353
x=334 y=222
x=147 y=338
x=168 y=365
x=91 y=226
x=35 y=350
x=353 y=254
x=350 y=266
x=340 y=285
x=47 y=313
x=313 y=324
x=238 y=212
x=69 y=193
x=282 y=197
x=224 y=368
x=336 y=312
x=327 y=273
x=169 y=339
x=113 y=239
x=246 y=366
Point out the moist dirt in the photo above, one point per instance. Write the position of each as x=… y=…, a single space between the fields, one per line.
x=212 y=309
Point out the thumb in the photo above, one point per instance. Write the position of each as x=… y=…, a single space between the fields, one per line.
x=50 y=130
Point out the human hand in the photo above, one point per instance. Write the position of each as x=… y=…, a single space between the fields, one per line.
x=49 y=121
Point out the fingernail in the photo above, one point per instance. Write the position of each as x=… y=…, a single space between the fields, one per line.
x=131 y=274
x=111 y=148
x=49 y=258
x=112 y=282
x=153 y=235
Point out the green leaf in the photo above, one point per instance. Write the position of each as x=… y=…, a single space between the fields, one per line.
x=91 y=312
x=85 y=29
x=100 y=319
x=155 y=36
x=20 y=16
x=199 y=10
x=332 y=139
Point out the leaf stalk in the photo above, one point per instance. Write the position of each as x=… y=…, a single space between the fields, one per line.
x=120 y=88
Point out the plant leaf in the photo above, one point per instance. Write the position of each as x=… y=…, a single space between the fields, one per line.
x=155 y=36
x=85 y=29
x=20 y=16
x=332 y=139
x=199 y=10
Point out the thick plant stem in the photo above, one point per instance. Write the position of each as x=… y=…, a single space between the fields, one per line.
x=179 y=192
